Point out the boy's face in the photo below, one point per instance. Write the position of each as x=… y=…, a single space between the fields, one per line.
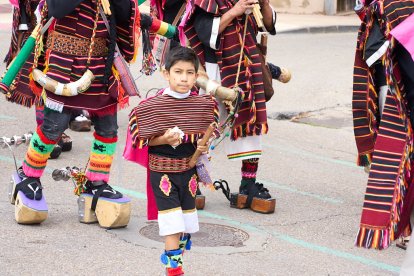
x=181 y=77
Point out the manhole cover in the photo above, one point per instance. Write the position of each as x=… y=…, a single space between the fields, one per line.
x=210 y=235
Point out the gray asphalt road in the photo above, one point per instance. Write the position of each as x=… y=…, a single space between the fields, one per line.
x=308 y=166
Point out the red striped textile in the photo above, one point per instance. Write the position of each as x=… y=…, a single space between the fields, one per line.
x=152 y=117
x=100 y=98
x=252 y=119
x=389 y=142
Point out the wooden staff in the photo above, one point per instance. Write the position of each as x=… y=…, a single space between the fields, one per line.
x=258 y=15
x=204 y=140
x=213 y=88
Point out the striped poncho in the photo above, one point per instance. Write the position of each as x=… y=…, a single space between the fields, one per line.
x=384 y=143
x=152 y=117
x=252 y=118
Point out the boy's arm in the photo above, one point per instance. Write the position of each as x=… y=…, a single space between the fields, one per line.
x=157 y=141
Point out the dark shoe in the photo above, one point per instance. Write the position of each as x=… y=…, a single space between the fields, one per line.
x=65 y=142
x=81 y=123
x=29 y=186
x=285 y=75
x=57 y=150
x=102 y=189
x=254 y=189
x=279 y=73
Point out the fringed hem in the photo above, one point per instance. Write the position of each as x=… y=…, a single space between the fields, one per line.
x=136 y=32
x=245 y=130
x=373 y=238
x=22 y=99
x=140 y=143
x=364 y=160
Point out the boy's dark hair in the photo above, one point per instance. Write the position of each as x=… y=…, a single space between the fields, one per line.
x=180 y=53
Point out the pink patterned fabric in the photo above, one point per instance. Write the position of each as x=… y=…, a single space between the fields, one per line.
x=192 y=185
x=187 y=13
x=165 y=185
x=404 y=33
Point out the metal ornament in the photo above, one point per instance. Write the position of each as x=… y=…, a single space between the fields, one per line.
x=6 y=142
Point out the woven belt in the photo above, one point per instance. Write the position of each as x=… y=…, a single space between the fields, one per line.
x=164 y=164
x=75 y=46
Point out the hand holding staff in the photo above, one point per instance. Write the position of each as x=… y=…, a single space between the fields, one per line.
x=203 y=142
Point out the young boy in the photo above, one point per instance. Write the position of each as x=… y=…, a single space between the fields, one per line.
x=170 y=124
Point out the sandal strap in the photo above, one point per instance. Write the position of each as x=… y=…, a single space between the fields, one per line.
x=27 y=182
x=97 y=194
x=224 y=186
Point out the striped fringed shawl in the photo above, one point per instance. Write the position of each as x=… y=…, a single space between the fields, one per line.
x=387 y=143
x=252 y=118
x=152 y=117
x=100 y=99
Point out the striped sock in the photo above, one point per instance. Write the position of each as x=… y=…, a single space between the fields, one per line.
x=37 y=154
x=100 y=159
x=249 y=170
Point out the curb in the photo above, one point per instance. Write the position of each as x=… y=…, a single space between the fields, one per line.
x=322 y=29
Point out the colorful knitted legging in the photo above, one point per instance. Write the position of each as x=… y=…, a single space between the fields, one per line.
x=37 y=154
x=100 y=160
x=249 y=169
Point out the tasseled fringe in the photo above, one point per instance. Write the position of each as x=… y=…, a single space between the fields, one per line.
x=376 y=239
x=149 y=65
x=36 y=89
x=22 y=99
x=241 y=131
x=364 y=160
x=140 y=143
x=137 y=32
x=123 y=99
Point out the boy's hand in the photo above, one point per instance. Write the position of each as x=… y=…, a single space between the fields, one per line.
x=201 y=148
x=172 y=138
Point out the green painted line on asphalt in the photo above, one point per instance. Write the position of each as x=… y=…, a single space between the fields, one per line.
x=314 y=156
x=5 y=117
x=302 y=243
x=293 y=190
x=130 y=192
x=284 y=237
